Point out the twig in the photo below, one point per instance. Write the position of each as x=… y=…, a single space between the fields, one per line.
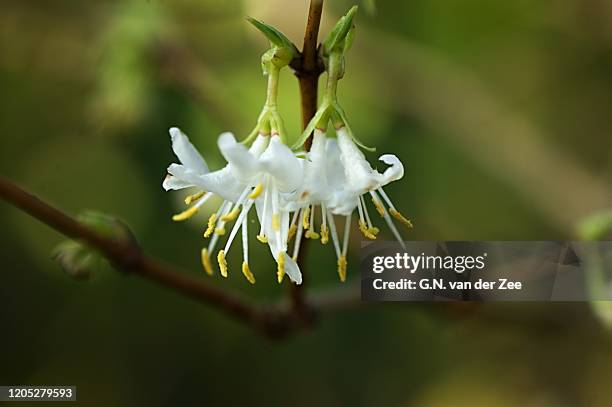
x=128 y=257
x=307 y=68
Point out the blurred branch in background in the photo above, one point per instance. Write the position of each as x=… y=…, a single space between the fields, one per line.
x=450 y=99
x=275 y=320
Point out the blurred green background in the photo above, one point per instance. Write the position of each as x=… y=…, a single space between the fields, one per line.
x=500 y=111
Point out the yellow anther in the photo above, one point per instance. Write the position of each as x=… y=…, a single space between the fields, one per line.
x=220 y=231
x=379 y=206
x=247 y=272
x=232 y=215
x=365 y=231
x=292 y=232
x=276 y=222
x=342 y=268
x=262 y=238
x=222 y=262
x=280 y=272
x=186 y=214
x=256 y=191
x=211 y=225
x=192 y=198
x=374 y=230
x=400 y=217
x=306 y=220
x=206 y=262
x=324 y=234
x=311 y=234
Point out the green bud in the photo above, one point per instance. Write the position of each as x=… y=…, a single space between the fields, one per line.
x=75 y=259
x=106 y=225
x=282 y=50
x=336 y=39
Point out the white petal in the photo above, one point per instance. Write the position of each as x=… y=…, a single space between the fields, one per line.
x=259 y=145
x=174 y=183
x=183 y=174
x=315 y=188
x=282 y=164
x=359 y=174
x=186 y=152
x=223 y=183
x=292 y=270
x=243 y=163
x=396 y=169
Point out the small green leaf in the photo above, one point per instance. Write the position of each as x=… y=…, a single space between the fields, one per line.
x=275 y=37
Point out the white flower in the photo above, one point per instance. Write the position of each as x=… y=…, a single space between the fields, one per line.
x=273 y=173
x=259 y=174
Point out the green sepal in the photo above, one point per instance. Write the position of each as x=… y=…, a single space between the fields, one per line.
x=342 y=116
x=320 y=118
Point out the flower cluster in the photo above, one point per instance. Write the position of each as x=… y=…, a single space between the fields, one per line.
x=296 y=195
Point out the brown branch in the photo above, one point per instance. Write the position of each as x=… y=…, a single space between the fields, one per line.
x=307 y=67
x=127 y=256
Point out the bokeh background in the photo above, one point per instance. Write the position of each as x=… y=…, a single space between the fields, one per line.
x=500 y=111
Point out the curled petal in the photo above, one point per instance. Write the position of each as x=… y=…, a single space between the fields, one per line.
x=282 y=164
x=292 y=270
x=173 y=183
x=186 y=152
x=181 y=175
x=396 y=169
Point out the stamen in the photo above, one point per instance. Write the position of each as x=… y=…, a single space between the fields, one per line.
x=293 y=226
x=211 y=225
x=362 y=226
x=306 y=218
x=395 y=213
x=292 y=231
x=240 y=223
x=334 y=233
x=390 y=223
x=347 y=231
x=298 y=238
x=342 y=268
x=379 y=206
x=220 y=231
x=275 y=206
x=257 y=191
x=206 y=262
x=191 y=198
x=324 y=229
x=188 y=213
x=261 y=236
x=324 y=234
x=371 y=229
x=232 y=215
x=275 y=222
x=222 y=263
x=280 y=272
x=312 y=233
x=212 y=221
x=247 y=272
